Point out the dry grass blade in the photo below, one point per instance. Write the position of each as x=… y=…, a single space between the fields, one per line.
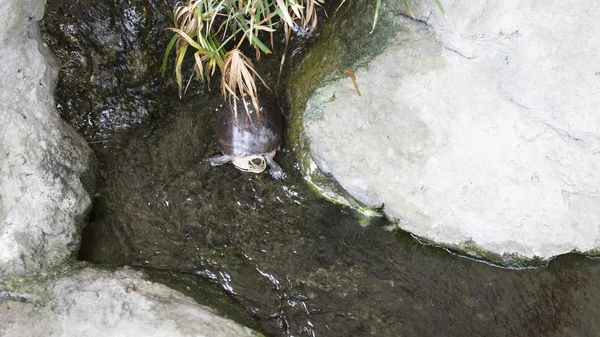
x=183 y=17
x=202 y=62
x=309 y=17
x=338 y=7
x=188 y=39
x=295 y=8
x=216 y=29
x=284 y=13
x=350 y=73
x=238 y=77
x=212 y=27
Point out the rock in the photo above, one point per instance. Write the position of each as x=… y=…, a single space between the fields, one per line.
x=91 y=302
x=478 y=132
x=45 y=167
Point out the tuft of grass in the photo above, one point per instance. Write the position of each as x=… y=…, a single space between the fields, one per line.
x=238 y=74
x=216 y=29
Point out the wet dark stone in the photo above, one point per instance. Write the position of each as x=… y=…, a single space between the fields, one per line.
x=110 y=54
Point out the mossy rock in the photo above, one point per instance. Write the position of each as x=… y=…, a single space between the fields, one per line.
x=346 y=42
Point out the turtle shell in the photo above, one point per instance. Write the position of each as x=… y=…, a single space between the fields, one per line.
x=249 y=134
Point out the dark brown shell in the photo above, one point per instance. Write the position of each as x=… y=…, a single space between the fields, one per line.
x=244 y=136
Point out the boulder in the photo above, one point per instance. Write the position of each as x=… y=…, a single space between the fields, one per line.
x=91 y=302
x=479 y=131
x=46 y=169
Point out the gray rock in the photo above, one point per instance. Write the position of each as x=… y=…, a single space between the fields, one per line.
x=44 y=164
x=91 y=302
x=479 y=131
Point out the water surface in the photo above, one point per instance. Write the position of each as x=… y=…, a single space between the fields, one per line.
x=295 y=263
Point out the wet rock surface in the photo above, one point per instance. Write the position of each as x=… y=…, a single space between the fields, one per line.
x=478 y=131
x=110 y=65
x=46 y=169
x=91 y=302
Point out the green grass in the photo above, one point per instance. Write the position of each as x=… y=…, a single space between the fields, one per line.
x=216 y=29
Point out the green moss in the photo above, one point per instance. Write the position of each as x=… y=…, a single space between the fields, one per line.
x=507 y=260
x=17 y=288
x=469 y=249
x=592 y=252
x=34 y=287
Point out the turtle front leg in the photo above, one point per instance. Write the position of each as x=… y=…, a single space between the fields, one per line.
x=219 y=160
x=274 y=169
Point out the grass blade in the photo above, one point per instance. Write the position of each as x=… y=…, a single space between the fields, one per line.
x=407 y=8
x=187 y=38
x=166 y=57
x=377 y=13
x=283 y=13
x=260 y=45
x=178 y=68
x=439 y=4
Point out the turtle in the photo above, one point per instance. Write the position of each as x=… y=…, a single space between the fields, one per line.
x=248 y=139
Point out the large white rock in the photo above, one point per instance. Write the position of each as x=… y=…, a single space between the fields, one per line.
x=90 y=302
x=480 y=129
x=42 y=198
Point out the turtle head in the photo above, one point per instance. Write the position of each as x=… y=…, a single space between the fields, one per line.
x=253 y=163
x=257 y=164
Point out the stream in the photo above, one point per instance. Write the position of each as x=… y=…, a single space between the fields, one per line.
x=295 y=263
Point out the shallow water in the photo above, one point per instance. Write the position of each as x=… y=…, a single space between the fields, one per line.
x=297 y=264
